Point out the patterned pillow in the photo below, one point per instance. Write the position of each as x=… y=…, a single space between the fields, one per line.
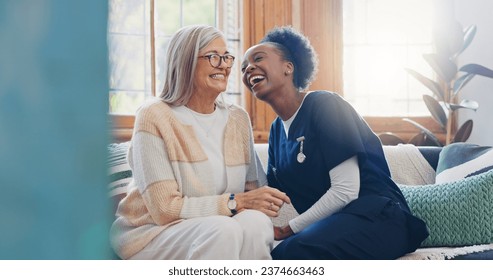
x=119 y=171
x=458 y=213
x=461 y=160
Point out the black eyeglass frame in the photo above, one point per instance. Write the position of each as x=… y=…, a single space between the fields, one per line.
x=221 y=59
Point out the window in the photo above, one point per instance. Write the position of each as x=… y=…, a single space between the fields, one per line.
x=130 y=52
x=381 y=39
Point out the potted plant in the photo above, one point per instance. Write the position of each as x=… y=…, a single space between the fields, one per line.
x=445 y=100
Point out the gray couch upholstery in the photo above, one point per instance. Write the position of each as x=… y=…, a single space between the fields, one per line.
x=399 y=163
x=120 y=175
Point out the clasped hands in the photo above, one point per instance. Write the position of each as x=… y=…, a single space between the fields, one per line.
x=269 y=201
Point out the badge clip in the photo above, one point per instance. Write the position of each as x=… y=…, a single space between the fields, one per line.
x=301 y=156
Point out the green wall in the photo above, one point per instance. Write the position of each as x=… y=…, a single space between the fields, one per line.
x=53 y=129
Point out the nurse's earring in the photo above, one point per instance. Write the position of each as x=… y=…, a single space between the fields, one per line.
x=301 y=156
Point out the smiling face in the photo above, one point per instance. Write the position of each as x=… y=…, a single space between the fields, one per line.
x=264 y=70
x=208 y=79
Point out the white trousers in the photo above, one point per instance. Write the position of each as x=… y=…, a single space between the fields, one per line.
x=248 y=235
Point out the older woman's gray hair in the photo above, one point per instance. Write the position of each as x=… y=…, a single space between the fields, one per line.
x=181 y=60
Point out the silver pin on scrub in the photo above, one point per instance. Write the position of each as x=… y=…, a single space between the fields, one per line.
x=301 y=156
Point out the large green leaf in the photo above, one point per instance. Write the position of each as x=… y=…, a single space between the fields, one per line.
x=430 y=84
x=465 y=104
x=430 y=134
x=389 y=138
x=477 y=69
x=442 y=65
x=422 y=139
x=469 y=34
x=460 y=82
x=464 y=132
x=436 y=110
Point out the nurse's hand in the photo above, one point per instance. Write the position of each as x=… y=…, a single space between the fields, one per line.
x=281 y=233
x=265 y=199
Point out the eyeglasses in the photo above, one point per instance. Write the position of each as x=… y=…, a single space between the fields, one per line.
x=215 y=59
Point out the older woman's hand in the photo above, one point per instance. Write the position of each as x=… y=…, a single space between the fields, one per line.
x=265 y=199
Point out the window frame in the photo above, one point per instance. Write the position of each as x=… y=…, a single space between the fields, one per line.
x=298 y=13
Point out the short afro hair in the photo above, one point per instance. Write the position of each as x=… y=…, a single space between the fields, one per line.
x=297 y=49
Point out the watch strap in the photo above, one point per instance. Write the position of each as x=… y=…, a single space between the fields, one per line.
x=233 y=210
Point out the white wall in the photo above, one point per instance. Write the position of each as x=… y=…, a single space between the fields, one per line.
x=480 y=89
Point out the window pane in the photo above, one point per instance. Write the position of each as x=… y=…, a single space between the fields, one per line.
x=230 y=25
x=199 y=12
x=126 y=59
x=126 y=102
x=125 y=16
x=128 y=24
x=381 y=39
x=168 y=17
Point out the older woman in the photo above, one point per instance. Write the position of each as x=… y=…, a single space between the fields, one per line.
x=328 y=161
x=192 y=158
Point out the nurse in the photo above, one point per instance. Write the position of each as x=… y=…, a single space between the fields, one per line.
x=326 y=158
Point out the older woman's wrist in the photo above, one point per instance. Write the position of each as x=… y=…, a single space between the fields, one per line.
x=240 y=201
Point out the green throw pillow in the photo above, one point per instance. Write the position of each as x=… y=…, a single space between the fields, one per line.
x=458 y=213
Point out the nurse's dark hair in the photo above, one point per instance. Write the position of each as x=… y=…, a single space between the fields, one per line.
x=296 y=48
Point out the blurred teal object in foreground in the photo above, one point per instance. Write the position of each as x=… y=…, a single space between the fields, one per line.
x=53 y=130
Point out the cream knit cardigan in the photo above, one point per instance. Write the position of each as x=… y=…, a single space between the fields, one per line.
x=168 y=164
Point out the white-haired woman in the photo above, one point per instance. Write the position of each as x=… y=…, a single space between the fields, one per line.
x=198 y=188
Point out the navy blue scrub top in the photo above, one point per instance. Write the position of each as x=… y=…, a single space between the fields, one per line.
x=333 y=132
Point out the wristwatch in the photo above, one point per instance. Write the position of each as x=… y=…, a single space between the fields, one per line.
x=232 y=204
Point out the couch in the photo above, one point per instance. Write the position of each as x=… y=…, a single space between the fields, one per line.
x=459 y=213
